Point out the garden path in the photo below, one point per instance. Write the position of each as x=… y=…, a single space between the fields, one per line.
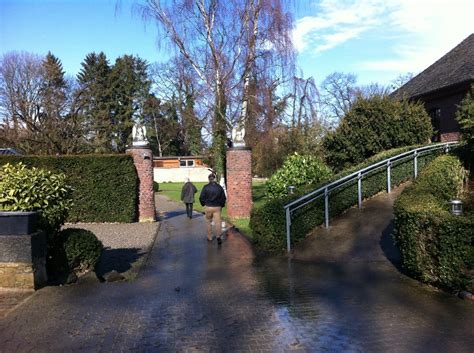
x=193 y=296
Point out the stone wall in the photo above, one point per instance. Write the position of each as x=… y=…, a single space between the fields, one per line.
x=17 y=275
x=23 y=261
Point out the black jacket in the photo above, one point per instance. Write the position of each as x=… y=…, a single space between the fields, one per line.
x=212 y=195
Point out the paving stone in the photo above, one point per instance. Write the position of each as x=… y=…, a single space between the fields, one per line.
x=229 y=300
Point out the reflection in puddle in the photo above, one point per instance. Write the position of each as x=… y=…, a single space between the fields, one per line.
x=306 y=314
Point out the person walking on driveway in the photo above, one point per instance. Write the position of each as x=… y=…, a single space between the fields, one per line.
x=187 y=196
x=213 y=198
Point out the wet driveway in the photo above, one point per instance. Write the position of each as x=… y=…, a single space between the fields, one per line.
x=193 y=296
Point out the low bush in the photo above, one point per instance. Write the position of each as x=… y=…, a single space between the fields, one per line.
x=268 y=220
x=373 y=125
x=34 y=189
x=156 y=186
x=436 y=246
x=73 y=250
x=297 y=170
x=104 y=187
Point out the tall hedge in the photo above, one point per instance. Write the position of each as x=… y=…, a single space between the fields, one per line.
x=436 y=246
x=374 y=125
x=268 y=220
x=105 y=187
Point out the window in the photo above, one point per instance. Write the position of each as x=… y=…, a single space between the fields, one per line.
x=186 y=163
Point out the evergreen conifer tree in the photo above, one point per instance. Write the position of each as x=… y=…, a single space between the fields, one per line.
x=95 y=100
x=130 y=88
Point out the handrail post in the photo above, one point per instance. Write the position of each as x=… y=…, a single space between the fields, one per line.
x=359 y=189
x=389 y=181
x=326 y=208
x=415 y=164
x=288 y=225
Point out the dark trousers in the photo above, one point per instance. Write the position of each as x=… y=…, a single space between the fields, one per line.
x=189 y=210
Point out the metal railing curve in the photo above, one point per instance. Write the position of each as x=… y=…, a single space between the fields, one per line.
x=325 y=190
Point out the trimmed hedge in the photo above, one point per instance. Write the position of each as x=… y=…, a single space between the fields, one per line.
x=268 y=221
x=436 y=246
x=105 y=187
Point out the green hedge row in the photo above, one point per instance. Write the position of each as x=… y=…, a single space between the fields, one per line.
x=436 y=246
x=268 y=221
x=105 y=187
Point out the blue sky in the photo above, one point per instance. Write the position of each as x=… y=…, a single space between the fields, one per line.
x=375 y=39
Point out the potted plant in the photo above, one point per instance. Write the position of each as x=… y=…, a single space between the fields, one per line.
x=31 y=198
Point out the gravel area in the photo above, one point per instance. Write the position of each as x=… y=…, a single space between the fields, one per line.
x=126 y=245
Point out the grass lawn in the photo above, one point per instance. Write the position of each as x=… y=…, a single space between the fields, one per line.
x=173 y=191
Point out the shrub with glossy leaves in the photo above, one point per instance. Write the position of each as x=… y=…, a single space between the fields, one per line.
x=35 y=189
x=297 y=170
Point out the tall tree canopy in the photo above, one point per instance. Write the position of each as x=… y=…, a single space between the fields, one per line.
x=228 y=45
x=130 y=88
x=95 y=97
x=112 y=97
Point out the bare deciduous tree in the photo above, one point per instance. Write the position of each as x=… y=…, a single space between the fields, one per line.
x=400 y=80
x=39 y=112
x=222 y=42
x=338 y=92
x=21 y=79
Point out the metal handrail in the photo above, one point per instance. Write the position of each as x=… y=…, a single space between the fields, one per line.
x=326 y=189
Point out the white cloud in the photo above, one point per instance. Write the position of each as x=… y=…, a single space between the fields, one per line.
x=336 y=22
x=418 y=32
x=334 y=39
x=429 y=30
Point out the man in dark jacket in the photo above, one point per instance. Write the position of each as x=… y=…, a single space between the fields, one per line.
x=213 y=198
x=187 y=196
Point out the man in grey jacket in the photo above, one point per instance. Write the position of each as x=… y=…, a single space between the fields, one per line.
x=213 y=198
x=187 y=196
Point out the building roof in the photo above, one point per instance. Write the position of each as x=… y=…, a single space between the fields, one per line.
x=9 y=151
x=457 y=66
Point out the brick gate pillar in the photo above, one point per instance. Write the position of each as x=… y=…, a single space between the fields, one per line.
x=143 y=160
x=239 y=182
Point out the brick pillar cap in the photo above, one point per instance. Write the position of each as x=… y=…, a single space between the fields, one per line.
x=243 y=148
